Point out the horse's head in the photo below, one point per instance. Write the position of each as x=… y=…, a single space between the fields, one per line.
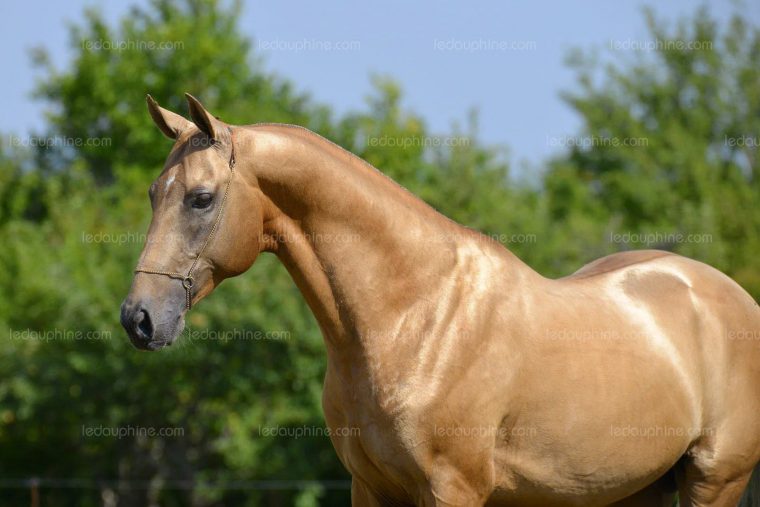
x=206 y=226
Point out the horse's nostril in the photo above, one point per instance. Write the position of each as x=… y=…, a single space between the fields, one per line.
x=144 y=324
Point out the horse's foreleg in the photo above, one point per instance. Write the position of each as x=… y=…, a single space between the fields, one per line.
x=362 y=496
x=702 y=485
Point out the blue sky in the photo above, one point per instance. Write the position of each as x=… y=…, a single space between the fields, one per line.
x=438 y=50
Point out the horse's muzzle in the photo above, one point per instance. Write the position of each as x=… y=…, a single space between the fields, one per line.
x=137 y=321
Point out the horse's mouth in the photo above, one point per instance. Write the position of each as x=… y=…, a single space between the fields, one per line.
x=150 y=345
x=155 y=345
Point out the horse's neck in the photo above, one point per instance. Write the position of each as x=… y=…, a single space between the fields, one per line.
x=360 y=248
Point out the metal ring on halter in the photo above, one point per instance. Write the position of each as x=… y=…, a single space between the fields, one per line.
x=187 y=280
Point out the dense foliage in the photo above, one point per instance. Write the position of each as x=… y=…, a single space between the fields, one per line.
x=72 y=219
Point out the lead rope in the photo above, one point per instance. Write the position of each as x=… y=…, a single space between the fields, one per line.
x=187 y=280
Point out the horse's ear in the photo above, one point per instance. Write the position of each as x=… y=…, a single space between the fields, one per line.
x=204 y=120
x=171 y=124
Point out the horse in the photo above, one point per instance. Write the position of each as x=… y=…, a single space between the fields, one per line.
x=470 y=378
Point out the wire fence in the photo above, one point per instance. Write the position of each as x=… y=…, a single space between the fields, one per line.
x=176 y=484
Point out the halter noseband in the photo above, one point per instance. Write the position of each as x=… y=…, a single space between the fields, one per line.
x=188 y=280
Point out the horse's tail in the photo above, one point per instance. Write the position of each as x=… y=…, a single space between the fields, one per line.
x=751 y=497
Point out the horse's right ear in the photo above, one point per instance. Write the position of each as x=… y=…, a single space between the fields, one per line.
x=171 y=124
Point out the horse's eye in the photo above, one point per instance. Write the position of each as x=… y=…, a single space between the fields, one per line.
x=202 y=200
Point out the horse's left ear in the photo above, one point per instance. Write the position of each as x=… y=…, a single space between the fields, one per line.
x=204 y=120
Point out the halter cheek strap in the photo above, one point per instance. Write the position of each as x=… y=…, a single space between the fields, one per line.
x=188 y=280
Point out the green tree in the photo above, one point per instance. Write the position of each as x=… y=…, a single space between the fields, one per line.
x=671 y=147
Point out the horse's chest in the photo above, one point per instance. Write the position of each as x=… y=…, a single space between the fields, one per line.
x=370 y=442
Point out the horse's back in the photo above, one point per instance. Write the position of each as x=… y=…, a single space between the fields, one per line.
x=617 y=261
x=660 y=278
x=712 y=306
